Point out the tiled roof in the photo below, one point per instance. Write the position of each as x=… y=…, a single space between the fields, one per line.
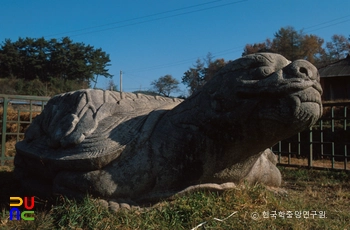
x=340 y=68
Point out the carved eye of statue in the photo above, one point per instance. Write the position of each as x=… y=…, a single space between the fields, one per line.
x=262 y=72
x=266 y=71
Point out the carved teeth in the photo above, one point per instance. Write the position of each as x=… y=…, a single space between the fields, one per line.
x=309 y=98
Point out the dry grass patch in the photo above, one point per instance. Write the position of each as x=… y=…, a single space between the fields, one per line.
x=323 y=163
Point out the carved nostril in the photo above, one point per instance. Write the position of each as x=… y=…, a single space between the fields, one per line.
x=300 y=69
x=304 y=71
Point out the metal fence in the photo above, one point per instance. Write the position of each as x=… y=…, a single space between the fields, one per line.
x=325 y=145
x=16 y=113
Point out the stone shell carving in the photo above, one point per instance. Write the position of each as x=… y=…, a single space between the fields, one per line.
x=141 y=148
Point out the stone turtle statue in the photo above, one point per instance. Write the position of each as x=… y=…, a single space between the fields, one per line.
x=138 y=147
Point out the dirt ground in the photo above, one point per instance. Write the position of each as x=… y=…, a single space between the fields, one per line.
x=324 y=163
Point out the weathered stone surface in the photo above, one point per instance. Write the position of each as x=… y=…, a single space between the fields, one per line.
x=114 y=206
x=102 y=203
x=140 y=148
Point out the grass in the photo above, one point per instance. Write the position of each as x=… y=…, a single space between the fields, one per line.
x=244 y=207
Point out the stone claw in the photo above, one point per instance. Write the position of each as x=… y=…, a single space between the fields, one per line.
x=118 y=205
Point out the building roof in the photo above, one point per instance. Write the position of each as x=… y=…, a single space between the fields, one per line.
x=340 y=68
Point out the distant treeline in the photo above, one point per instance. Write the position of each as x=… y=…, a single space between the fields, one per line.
x=41 y=67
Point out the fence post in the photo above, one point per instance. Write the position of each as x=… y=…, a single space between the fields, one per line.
x=3 y=133
x=310 y=153
x=345 y=145
x=333 y=148
x=13 y=99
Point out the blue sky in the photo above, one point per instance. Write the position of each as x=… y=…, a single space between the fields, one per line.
x=149 y=39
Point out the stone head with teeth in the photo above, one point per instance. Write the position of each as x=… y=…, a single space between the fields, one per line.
x=139 y=147
x=275 y=95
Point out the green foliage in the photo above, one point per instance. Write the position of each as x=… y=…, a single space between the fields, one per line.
x=315 y=175
x=194 y=78
x=338 y=48
x=288 y=42
x=30 y=59
x=201 y=72
x=85 y=214
x=165 y=85
x=297 y=45
x=36 y=87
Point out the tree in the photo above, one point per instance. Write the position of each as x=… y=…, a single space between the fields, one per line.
x=31 y=59
x=338 y=48
x=111 y=86
x=9 y=59
x=201 y=72
x=194 y=78
x=97 y=63
x=288 y=42
x=311 y=48
x=165 y=85
x=291 y=44
x=213 y=68
x=258 y=47
x=334 y=51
